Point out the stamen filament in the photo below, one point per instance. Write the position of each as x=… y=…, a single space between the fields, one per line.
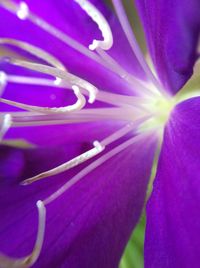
x=139 y=87
x=133 y=42
x=8 y=262
x=107 y=97
x=98 y=148
x=33 y=50
x=92 y=166
x=66 y=76
x=5 y=124
x=14 y=8
x=3 y=82
x=80 y=103
x=102 y=23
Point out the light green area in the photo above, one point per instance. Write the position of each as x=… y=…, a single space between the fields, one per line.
x=133 y=255
x=18 y=143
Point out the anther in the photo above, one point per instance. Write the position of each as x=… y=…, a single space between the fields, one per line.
x=23 y=11
x=5 y=123
x=3 y=82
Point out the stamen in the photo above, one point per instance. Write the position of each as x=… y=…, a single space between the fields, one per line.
x=80 y=103
x=34 y=81
x=107 y=97
x=35 y=51
x=3 y=82
x=66 y=76
x=98 y=148
x=13 y=7
x=7 y=262
x=21 y=119
x=23 y=11
x=102 y=23
x=5 y=124
x=92 y=166
x=138 y=86
x=133 y=42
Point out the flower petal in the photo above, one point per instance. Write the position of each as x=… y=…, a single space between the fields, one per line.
x=172 y=31
x=173 y=209
x=93 y=219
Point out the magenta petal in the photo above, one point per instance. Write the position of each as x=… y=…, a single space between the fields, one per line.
x=173 y=225
x=90 y=224
x=172 y=31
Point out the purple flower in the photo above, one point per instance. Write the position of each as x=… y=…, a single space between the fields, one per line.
x=83 y=118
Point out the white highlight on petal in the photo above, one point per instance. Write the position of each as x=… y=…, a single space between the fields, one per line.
x=5 y=124
x=23 y=11
x=98 y=148
x=25 y=262
x=102 y=23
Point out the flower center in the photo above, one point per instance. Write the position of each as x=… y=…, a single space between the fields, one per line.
x=160 y=109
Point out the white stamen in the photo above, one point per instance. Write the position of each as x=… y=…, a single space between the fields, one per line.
x=13 y=7
x=102 y=23
x=138 y=86
x=36 y=51
x=133 y=42
x=34 y=81
x=93 y=166
x=58 y=81
x=62 y=74
x=5 y=123
x=98 y=148
x=23 y=11
x=25 y=262
x=3 y=82
x=80 y=103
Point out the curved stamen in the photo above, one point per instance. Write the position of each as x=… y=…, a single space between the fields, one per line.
x=98 y=148
x=66 y=76
x=80 y=103
x=3 y=82
x=5 y=124
x=93 y=166
x=102 y=23
x=33 y=50
x=25 y=262
x=14 y=8
x=107 y=97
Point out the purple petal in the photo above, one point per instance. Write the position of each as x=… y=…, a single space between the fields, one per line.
x=90 y=224
x=173 y=226
x=172 y=31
